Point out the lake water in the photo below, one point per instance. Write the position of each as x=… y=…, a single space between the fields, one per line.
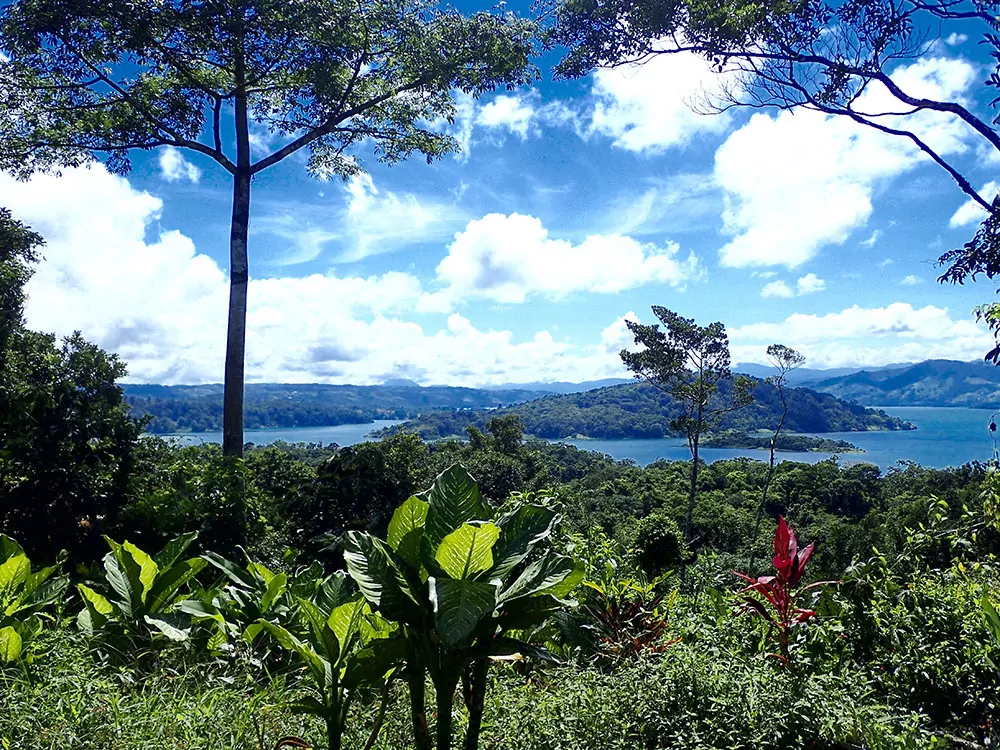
x=944 y=437
x=342 y=434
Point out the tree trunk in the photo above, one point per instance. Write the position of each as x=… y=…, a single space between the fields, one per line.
x=239 y=279
x=444 y=689
x=768 y=477
x=476 y=701
x=418 y=706
x=693 y=489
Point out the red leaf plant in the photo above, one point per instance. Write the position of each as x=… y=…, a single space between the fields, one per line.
x=776 y=598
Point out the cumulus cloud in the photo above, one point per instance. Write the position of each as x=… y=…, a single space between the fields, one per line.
x=512 y=112
x=796 y=181
x=872 y=239
x=777 y=289
x=159 y=303
x=508 y=258
x=911 y=280
x=174 y=167
x=808 y=284
x=863 y=337
x=650 y=107
x=971 y=212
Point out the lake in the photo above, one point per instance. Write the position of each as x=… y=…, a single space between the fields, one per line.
x=944 y=437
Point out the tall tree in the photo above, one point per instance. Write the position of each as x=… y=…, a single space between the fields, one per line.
x=689 y=362
x=785 y=360
x=101 y=78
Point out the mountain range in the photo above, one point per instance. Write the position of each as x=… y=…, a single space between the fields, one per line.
x=934 y=382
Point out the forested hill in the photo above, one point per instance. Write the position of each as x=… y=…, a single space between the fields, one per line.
x=936 y=382
x=638 y=410
x=198 y=408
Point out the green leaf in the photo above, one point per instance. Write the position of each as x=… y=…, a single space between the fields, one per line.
x=308 y=704
x=346 y=623
x=409 y=517
x=521 y=529
x=275 y=588
x=174 y=549
x=522 y=614
x=10 y=644
x=148 y=569
x=468 y=550
x=9 y=548
x=374 y=664
x=172 y=626
x=382 y=582
x=992 y=617
x=323 y=639
x=551 y=574
x=318 y=666
x=460 y=606
x=167 y=584
x=200 y=610
x=334 y=591
x=231 y=570
x=95 y=600
x=13 y=574
x=453 y=499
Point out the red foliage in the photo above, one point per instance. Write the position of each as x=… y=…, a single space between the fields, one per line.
x=775 y=598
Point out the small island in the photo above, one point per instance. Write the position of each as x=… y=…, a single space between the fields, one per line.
x=786 y=443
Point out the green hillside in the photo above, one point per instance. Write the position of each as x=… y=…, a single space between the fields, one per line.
x=638 y=410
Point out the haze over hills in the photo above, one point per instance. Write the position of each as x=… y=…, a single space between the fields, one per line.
x=809 y=375
x=936 y=382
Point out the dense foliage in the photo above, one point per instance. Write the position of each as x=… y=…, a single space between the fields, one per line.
x=783 y=442
x=198 y=408
x=639 y=410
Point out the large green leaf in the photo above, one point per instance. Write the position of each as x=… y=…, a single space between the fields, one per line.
x=334 y=591
x=408 y=517
x=374 y=664
x=275 y=588
x=231 y=570
x=346 y=621
x=459 y=606
x=13 y=574
x=453 y=499
x=992 y=617
x=530 y=612
x=521 y=529
x=173 y=550
x=170 y=581
x=9 y=548
x=172 y=626
x=10 y=644
x=323 y=641
x=148 y=569
x=380 y=578
x=122 y=573
x=550 y=574
x=468 y=551
x=318 y=666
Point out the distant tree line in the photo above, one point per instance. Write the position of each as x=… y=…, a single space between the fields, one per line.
x=642 y=411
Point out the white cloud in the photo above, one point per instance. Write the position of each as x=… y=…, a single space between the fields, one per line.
x=372 y=221
x=649 y=107
x=777 y=289
x=971 y=212
x=954 y=39
x=870 y=242
x=162 y=305
x=809 y=284
x=911 y=280
x=797 y=181
x=511 y=112
x=862 y=337
x=509 y=258
x=883 y=264
x=174 y=167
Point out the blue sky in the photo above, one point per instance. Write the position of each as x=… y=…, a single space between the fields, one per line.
x=571 y=206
